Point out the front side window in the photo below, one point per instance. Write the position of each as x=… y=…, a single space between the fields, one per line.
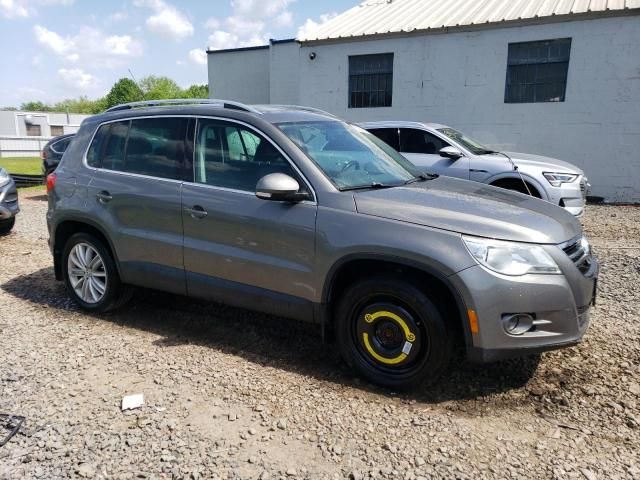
x=232 y=156
x=350 y=156
x=537 y=71
x=370 y=80
x=413 y=140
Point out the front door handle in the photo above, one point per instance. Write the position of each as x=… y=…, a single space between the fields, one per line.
x=103 y=196
x=196 y=211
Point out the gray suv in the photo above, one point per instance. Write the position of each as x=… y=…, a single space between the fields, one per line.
x=9 y=207
x=293 y=212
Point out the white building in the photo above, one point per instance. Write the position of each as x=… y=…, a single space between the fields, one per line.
x=23 y=134
x=553 y=77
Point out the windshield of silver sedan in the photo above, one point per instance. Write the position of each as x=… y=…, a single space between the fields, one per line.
x=469 y=143
x=351 y=157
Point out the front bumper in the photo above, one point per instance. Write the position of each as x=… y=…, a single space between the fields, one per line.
x=559 y=304
x=9 y=206
x=571 y=196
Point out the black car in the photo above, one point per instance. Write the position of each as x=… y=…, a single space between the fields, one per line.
x=53 y=150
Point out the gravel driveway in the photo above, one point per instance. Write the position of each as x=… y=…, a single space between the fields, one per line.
x=234 y=394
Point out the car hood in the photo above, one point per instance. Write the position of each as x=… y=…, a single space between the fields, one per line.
x=471 y=208
x=547 y=164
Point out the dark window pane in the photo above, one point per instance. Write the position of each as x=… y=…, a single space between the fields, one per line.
x=370 y=80
x=107 y=148
x=388 y=135
x=419 y=141
x=155 y=147
x=537 y=71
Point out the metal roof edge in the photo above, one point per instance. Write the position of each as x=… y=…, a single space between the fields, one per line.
x=551 y=19
x=239 y=49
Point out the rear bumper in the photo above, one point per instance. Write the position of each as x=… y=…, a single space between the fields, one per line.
x=559 y=304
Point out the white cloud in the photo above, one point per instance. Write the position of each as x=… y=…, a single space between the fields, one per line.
x=310 y=26
x=89 y=47
x=212 y=23
x=166 y=20
x=26 y=8
x=198 y=56
x=117 y=17
x=77 y=78
x=247 y=25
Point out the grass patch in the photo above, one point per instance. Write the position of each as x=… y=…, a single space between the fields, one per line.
x=22 y=165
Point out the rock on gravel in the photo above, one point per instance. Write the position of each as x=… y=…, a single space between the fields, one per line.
x=297 y=411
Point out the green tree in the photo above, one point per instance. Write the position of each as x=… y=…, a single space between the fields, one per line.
x=123 y=91
x=78 y=105
x=196 y=91
x=159 y=88
x=36 y=106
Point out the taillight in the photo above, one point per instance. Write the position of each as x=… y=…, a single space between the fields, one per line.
x=43 y=154
x=51 y=181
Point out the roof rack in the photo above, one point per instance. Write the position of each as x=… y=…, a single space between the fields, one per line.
x=185 y=101
x=300 y=107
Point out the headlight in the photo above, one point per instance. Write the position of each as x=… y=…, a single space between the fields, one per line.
x=557 y=179
x=4 y=177
x=510 y=258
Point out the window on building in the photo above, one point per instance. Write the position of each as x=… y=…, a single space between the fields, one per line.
x=34 y=130
x=370 y=80
x=537 y=71
x=231 y=156
x=57 y=130
x=413 y=140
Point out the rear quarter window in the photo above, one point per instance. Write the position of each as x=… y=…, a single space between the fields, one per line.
x=107 y=147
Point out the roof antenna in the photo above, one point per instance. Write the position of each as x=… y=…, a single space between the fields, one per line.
x=134 y=78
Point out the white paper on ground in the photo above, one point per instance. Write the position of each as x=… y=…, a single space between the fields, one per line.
x=130 y=402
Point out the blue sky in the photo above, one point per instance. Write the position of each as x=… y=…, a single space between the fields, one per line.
x=56 y=49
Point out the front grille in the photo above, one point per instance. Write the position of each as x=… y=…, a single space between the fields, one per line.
x=578 y=255
x=583 y=186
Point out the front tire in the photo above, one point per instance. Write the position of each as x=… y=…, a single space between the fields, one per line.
x=7 y=225
x=90 y=274
x=392 y=333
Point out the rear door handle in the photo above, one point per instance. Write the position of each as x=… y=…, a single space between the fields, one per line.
x=196 y=211
x=103 y=196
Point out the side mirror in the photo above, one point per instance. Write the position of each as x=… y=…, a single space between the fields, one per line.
x=279 y=187
x=451 y=152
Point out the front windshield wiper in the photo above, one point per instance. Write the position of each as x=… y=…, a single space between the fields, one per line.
x=373 y=185
x=423 y=177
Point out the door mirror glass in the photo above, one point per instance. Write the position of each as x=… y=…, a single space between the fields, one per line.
x=451 y=152
x=279 y=187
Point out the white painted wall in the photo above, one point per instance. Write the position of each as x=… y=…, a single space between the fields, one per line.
x=284 y=74
x=242 y=76
x=459 y=79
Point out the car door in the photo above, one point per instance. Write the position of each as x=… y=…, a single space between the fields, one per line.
x=240 y=249
x=422 y=149
x=136 y=195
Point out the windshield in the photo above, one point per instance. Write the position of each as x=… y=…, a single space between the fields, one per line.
x=469 y=143
x=350 y=156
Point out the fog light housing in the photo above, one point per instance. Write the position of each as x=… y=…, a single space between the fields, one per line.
x=517 y=323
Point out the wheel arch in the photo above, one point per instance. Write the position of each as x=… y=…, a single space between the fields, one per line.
x=66 y=227
x=515 y=176
x=352 y=267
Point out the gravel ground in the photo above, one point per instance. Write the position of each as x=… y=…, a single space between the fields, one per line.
x=234 y=394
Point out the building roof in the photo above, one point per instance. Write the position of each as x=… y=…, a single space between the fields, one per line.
x=381 y=17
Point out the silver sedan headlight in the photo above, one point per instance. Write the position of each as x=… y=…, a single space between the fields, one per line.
x=4 y=177
x=510 y=258
x=557 y=179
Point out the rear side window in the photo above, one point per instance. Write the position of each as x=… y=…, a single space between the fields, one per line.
x=155 y=147
x=389 y=136
x=107 y=148
x=61 y=145
x=413 y=140
x=148 y=146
